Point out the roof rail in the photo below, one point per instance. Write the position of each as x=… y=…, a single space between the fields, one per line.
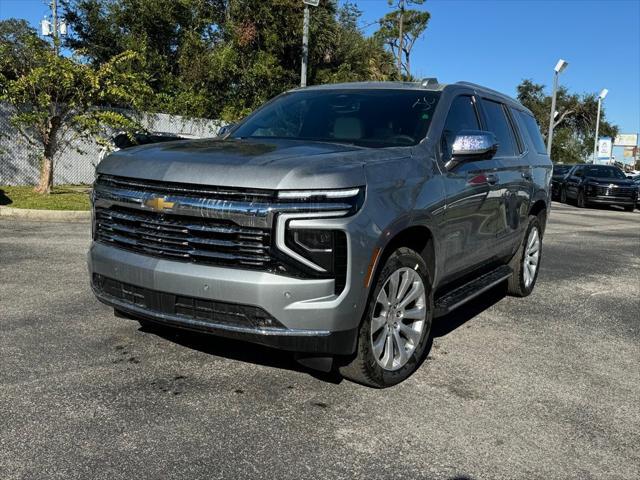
x=489 y=90
x=429 y=82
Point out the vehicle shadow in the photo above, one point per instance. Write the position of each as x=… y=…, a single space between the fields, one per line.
x=274 y=358
x=237 y=350
x=442 y=326
x=4 y=200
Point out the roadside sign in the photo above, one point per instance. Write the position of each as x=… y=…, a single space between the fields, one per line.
x=313 y=3
x=604 y=147
x=626 y=140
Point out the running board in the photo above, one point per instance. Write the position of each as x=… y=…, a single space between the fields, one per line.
x=453 y=299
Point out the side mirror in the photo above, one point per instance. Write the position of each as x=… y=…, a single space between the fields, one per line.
x=225 y=129
x=472 y=145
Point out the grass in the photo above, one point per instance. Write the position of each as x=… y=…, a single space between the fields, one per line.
x=62 y=197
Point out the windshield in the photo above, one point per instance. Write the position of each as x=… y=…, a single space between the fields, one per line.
x=561 y=169
x=602 y=171
x=372 y=118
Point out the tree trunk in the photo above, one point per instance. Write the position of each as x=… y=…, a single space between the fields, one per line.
x=400 y=38
x=50 y=147
x=46 y=176
x=408 y=64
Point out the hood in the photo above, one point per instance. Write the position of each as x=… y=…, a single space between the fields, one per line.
x=247 y=163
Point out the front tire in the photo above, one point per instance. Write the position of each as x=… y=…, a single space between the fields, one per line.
x=395 y=329
x=629 y=208
x=581 y=201
x=526 y=262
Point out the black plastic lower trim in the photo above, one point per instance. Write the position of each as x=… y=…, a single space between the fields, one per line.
x=304 y=341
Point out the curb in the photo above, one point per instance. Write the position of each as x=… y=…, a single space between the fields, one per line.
x=46 y=215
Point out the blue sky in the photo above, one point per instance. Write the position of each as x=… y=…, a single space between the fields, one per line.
x=498 y=43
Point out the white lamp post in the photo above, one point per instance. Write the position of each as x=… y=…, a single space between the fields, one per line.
x=603 y=94
x=559 y=68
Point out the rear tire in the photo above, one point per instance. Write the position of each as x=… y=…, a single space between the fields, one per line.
x=396 y=325
x=526 y=262
x=629 y=208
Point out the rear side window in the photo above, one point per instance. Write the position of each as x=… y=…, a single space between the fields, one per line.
x=534 y=132
x=498 y=123
x=462 y=116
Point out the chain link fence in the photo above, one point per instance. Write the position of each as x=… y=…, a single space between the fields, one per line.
x=20 y=161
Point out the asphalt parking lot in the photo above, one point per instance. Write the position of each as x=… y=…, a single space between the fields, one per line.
x=542 y=387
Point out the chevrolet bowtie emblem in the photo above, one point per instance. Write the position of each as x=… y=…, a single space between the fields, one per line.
x=158 y=204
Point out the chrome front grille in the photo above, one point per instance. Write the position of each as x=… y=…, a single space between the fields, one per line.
x=187 y=190
x=184 y=238
x=225 y=226
x=615 y=191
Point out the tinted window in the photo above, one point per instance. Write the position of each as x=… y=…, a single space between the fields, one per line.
x=462 y=116
x=533 y=131
x=498 y=123
x=561 y=169
x=602 y=171
x=577 y=172
x=374 y=118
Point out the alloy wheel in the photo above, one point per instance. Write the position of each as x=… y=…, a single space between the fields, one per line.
x=531 y=257
x=398 y=319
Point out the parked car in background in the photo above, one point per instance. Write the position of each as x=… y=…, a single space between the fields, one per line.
x=559 y=172
x=636 y=182
x=602 y=184
x=336 y=221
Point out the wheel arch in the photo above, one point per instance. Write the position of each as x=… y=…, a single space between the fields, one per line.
x=540 y=207
x=419 y=238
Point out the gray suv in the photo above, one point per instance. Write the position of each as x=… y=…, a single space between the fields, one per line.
x=335 y=222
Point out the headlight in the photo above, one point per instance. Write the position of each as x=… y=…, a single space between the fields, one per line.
x=349 y=199
x=317 y=246
x=321 y=194
x=324 y=251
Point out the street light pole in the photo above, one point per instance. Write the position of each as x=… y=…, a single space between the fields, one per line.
x=305 y=46
x=560 y=66
x=603 y=94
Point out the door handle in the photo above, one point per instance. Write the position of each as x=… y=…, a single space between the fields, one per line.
x=492 y=178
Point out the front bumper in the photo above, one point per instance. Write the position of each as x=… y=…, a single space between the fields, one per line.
x=309 y=316
x=610 y=200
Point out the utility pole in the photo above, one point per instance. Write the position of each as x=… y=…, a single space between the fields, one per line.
x=400 y=37
x=305 y=46
x=305 y=40
x=56 y=33
x=54 y=28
